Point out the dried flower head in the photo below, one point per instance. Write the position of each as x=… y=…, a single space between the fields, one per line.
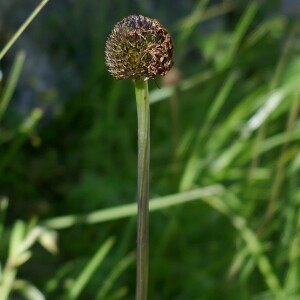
x=138 y=48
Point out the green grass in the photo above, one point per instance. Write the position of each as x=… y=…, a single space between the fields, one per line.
x=224 y=221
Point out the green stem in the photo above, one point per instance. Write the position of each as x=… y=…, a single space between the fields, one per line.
x=143 y=114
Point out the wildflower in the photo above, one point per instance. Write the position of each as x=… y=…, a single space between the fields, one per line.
x=138 y=48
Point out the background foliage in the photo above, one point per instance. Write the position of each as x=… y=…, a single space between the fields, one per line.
x=225 y=154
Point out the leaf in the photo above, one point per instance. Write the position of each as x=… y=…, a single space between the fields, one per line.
x=48 y=239
x=27 y=290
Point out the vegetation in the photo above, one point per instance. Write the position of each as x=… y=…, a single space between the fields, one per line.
x=225 y=161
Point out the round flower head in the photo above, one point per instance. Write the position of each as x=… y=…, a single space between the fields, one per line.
x=138 y=48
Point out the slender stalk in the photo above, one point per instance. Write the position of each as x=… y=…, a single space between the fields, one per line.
x=143 y=114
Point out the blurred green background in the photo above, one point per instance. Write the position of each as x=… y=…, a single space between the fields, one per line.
x=225 y=133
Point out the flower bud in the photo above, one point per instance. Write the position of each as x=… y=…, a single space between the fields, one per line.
x=138 y=48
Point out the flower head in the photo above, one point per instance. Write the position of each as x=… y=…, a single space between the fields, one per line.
x=138 y=48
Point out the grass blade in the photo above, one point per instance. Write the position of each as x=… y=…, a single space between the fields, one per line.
x=12 y=82
x=113 y=276
x=22 y=28
x=128 y=210
x=89 y=270
x=239 y=34
x=25 y=129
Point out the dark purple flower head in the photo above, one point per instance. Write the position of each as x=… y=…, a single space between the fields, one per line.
x=138 y=48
